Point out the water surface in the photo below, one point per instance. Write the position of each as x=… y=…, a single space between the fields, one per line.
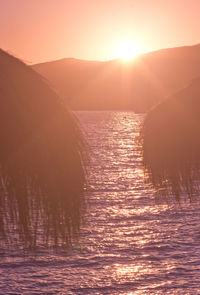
x=129 y=244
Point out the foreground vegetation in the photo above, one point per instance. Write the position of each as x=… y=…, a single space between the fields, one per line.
x=41 y=156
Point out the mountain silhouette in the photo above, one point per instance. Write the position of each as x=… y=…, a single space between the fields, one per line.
x=117 y=85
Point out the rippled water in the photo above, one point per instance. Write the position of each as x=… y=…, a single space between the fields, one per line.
x=130 y=244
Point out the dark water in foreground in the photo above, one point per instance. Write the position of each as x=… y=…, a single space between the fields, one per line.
x=129 y=243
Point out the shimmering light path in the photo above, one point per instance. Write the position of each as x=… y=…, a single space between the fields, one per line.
x=130 y=244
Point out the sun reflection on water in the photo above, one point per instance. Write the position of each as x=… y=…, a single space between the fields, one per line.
x=127 y=270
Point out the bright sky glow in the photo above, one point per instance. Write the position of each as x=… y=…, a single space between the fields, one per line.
x=127 y=50
x=38 y=31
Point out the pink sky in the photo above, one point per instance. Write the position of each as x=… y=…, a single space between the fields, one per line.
x=41 y=30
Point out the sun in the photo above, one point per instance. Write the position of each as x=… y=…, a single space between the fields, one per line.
x=127 y=50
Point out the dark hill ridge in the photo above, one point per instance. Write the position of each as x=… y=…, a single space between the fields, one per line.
x=136 y=85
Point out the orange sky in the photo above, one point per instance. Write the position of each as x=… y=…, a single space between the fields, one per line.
x=41 y=30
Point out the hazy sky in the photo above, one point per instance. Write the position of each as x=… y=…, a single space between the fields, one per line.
x=40 y=30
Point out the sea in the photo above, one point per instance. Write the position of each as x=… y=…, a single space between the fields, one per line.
x=130 y=242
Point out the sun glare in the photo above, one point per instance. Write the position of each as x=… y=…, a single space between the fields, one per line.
x=127 y=50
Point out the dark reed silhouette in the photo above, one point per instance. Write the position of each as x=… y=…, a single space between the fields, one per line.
x=41 y=160
x=171 y=143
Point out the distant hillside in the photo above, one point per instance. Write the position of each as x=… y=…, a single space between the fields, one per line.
x=136 y=85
